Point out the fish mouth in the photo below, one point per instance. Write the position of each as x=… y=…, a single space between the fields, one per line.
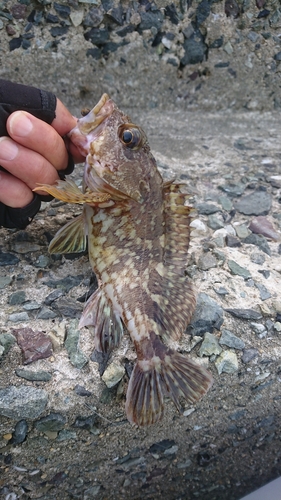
x=90 y=126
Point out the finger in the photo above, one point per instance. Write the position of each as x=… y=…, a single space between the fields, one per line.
x=38 y=136
x=26 y=165
x=13 y=192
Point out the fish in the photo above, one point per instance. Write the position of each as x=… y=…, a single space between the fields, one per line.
x=138 y=231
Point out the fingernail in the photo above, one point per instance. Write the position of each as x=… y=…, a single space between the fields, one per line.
x=20 y=124
x=8 y=149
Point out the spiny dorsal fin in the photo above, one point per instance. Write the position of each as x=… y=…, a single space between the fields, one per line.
x=174 y=297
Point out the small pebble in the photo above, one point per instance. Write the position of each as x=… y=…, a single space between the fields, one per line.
x=242 y=231
x=227 y=362
x=257 y=258
x=113 y=374
x=249 y=355
x=236 y=269
x=19 y=317
x=228 y=338
x=210 y=345
x=261 y=225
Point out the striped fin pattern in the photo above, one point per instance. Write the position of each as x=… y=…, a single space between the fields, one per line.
x=68 y=192
x=174 y=376
x=108 y=327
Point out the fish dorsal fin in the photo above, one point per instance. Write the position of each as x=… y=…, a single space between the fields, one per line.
x=108 y=327
x=177 y=227
x=71 y=238
x=175 y=303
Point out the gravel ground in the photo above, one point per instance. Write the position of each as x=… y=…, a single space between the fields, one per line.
x=203 y=79
x=229 y=443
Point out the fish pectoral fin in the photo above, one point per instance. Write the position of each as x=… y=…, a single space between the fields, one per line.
x=174 y=376
x=108 y=327
x=68 y=192
x=71 y=238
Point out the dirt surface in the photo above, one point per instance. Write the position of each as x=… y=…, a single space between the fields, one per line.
x=229 y=443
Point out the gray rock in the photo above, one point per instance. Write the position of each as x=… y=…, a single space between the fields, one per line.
x=207 y=261
x=42 y=261
x=18 y=317
x=227 y=362
x=7 y=341
x=46 y=313
x=233 y=189
x=242 y=231
x=226 y=203
x=207 y=208
x=65 y=283
x=22 y=402
x=245 y=313
x=20 y=432
x=258 y=327
x=259 y=241
x=238 y=270
x=66 y=435
x=77 y=357
x=151 y=19
x=8 y=259
x=51 y=423
x=257 y=258
x=207 y=316
x=31 y=306
x=210 y=345
x=5 y=281
x=40 y=376
x=221 y=291
x=17 y=298
x=228 y=338
x=256 y=203
x=24 y=247
x=249 y=354
x=264 y=293
x=195 y=49
x=56 y=294
x=214 y=222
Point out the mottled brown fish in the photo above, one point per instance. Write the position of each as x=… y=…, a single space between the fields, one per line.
x=138 y=236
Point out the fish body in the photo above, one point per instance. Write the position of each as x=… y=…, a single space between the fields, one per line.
x=138 y=230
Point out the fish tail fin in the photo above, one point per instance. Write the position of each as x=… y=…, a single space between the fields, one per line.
x=100 y=314
x=174 y=375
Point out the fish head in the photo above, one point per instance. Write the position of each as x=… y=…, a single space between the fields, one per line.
x=118 y=157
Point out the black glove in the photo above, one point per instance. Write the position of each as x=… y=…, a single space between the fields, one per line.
x=42 y=104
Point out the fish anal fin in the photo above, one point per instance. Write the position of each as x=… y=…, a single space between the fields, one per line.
x=99 y=314
x=69 y=192
x=71 y=238
x=169 y=374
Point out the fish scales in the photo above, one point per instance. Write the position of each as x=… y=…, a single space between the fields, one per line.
x=138 y=230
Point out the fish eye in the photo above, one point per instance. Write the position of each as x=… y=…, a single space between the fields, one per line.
x=131 y=137
x=127 y=136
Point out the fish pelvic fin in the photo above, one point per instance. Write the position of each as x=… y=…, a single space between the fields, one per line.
x=68 y=192
x=100 y=314
x=71 y=238
x=169 y=374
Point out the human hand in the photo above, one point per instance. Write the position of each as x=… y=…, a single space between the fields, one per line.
x=34 y=153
